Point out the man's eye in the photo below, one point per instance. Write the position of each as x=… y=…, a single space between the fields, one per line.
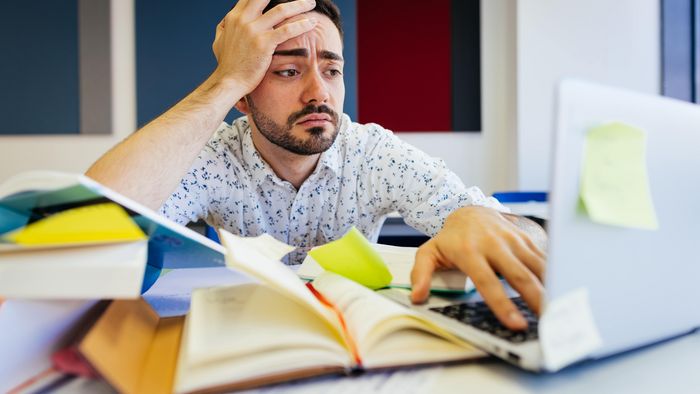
x=334 y=73
x=287 y=73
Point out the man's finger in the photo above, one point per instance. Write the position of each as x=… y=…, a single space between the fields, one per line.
x=533 y=246
x=518 y=276
x=527 y=256
x=293 y=29
x=495 y=296
x=284 y=11
x=422 y=273
x=251 y=9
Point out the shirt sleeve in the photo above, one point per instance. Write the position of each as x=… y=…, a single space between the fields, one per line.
x=189 y=202
x=421 y=188
x=198 y=190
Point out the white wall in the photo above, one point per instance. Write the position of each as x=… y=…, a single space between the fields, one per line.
x=75 y=153
x=611 y=42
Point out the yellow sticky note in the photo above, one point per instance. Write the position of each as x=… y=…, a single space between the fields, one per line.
x=353 y=257
x=614 y=181
x=106 y=222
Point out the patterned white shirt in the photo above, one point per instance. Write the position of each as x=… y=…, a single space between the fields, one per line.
x=367 y=173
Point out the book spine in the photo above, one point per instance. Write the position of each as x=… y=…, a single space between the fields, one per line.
x=346 y=333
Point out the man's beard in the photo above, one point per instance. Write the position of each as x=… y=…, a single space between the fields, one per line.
x=281 y=135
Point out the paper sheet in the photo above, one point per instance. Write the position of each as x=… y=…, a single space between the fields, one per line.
x=567 y=330
x=614 y=181
x=31 y=332
x=353 y=257
x=94 y=223
x=172 y=292
x=411 y=381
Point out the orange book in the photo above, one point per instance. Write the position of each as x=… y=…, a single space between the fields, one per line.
x=133 y=348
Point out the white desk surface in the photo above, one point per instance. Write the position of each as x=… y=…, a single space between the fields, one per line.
x=672 y=367
x=669 y=367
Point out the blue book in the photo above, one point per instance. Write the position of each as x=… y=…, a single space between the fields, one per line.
x=32 y=196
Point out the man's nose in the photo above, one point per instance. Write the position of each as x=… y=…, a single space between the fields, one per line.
x=315 y=89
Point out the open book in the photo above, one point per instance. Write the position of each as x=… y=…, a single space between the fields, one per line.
x=66 y=236
x=243 y=336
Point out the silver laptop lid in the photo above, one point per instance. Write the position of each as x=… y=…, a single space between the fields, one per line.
x=643 y=285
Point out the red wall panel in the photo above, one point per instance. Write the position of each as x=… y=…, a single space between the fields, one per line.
x=404 y=64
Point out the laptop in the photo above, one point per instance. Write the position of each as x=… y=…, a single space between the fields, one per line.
x=640 y=286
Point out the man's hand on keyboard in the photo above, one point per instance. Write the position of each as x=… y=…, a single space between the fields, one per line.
x=482 y=242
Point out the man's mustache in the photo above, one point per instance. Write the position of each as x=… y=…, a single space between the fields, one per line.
x=312 y=109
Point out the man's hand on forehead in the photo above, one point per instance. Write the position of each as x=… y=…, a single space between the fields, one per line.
x=246 y=38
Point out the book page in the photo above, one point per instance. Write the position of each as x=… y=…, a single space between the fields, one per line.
x=89 y=272
x=243 y=332
x=386 y=333
x=242 y=254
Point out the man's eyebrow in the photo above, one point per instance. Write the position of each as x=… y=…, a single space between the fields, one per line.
x=328 y=55
x=303 y=52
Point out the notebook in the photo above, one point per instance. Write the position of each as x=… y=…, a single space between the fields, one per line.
x=618 y=267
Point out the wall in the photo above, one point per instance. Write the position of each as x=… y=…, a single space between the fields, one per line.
x=76 y=152
x=611 y=42
x=29 y=80
x=526 y=46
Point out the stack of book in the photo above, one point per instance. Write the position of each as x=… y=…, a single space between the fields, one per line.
x=271 y=328
x=67 y=242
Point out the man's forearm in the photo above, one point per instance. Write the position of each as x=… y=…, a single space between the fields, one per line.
x=148 y=165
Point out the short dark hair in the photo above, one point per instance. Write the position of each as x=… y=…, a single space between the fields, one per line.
x=323 y=7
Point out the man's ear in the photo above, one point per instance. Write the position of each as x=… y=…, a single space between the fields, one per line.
x=242 y=106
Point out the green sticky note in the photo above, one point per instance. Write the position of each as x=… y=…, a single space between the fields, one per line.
x=353 y=257
x=614 y=183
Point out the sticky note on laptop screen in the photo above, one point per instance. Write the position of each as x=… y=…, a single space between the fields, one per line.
x=90 y=224
x=353 y=257
x=614 y=187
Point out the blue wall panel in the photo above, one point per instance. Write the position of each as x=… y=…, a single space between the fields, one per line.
x=681 y=49
x=348 y=11
x=173 y=50
x=39 y=67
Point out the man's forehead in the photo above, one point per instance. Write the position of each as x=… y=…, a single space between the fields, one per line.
x=324 y=36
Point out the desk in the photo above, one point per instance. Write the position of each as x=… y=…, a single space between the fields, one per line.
x=672 y=367
x=669 y=367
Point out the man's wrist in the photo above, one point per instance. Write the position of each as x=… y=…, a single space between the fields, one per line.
x=223 y=85
x=536 y=231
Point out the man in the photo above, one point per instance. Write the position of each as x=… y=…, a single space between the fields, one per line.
x=299 y=169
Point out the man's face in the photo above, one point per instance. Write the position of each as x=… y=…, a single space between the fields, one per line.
x=299 y=101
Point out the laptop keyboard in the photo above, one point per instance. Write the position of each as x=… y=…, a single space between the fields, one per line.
x=478 y=315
